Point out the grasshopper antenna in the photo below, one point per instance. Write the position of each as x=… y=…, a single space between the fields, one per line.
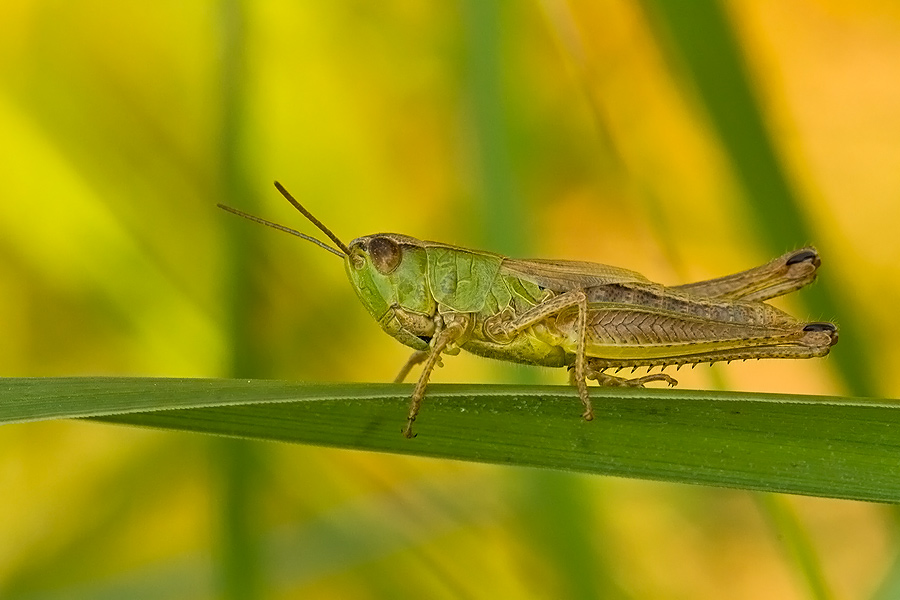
x=343 y=247
x=308 y=238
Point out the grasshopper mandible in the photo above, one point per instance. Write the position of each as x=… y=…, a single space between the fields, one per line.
x=439 y=299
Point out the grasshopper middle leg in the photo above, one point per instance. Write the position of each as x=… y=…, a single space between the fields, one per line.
x=507 y=329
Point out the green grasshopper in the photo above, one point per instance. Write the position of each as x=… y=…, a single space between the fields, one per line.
x=587 y=317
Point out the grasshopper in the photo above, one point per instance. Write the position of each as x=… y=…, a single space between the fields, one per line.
x=439 y=299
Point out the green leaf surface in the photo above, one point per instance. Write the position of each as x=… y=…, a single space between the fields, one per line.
x=816 y=445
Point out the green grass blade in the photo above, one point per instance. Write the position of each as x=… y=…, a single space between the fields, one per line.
x=699 y=38
x=816 y=445
x=503 y=223
x=796 y=542
x=554 y=510
x=889 y=588
x=237 y=549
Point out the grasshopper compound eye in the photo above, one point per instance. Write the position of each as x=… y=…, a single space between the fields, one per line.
x=385 y=254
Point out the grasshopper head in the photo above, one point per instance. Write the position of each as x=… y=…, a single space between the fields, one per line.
x=388 y=269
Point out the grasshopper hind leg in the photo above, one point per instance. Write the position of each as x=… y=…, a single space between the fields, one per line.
x=596 y=372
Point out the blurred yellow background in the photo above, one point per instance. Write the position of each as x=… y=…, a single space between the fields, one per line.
x=548 y=128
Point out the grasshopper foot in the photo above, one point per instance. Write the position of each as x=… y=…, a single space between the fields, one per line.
x=640 y=381
x=408 y=432
x=611 y=380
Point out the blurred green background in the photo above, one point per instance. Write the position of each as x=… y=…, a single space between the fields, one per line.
x=682 y=140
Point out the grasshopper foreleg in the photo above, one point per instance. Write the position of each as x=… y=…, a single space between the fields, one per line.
x=419 y=356
x=446 y=336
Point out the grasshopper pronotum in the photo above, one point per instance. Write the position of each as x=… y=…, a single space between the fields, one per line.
x=588 y=317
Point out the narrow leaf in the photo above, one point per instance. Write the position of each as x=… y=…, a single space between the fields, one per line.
x=816 y=445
